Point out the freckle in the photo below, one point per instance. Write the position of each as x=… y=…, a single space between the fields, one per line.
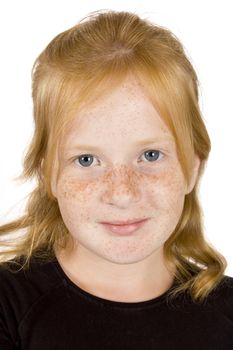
x=71 y=189
x=80 y=190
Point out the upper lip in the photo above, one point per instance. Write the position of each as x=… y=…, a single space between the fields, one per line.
x=127 y=222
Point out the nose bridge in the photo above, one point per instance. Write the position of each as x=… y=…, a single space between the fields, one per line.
x=122 y=185
x=122 y=175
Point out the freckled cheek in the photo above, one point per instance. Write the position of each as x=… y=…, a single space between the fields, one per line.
x=167 y=193
x=74 y=191
x=75 y=198
x=164 y=190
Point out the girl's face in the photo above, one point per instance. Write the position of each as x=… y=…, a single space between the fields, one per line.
x=124 y=176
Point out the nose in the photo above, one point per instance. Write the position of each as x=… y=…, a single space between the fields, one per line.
x=121 y=198
x=122 y=189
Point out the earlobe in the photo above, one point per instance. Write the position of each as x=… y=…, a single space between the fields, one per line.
x=53 y=188
x=54 y=174
x=41 y=172
x=195 y=171
x=52 y=181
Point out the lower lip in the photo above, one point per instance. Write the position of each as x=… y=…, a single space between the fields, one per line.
x=125 y=229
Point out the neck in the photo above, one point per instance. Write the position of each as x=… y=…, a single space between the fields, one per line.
x=143 y=280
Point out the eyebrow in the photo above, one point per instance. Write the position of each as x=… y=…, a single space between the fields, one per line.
x=139 y=143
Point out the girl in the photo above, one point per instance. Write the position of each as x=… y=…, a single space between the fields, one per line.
x=113 y=254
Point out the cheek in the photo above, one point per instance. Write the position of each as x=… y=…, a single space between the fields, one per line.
x=167 y=191
x=164 y=201
x=75 y=199
x=69 y=189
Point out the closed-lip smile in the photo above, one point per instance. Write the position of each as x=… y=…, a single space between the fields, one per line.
x=127 y=222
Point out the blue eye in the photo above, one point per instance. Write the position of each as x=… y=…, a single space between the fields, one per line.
x=152 y=155
x=85 y=160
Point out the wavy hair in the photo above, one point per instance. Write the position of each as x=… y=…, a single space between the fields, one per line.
x=76 y=67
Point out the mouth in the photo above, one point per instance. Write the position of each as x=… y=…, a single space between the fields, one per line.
x=127 y=222
x=125 y=229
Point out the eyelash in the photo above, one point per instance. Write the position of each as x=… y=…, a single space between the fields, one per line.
x=87 y=154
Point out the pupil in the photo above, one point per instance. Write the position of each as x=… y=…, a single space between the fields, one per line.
x=153 y=153
x=86 y=163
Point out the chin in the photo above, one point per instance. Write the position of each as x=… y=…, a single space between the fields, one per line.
x=126 y=259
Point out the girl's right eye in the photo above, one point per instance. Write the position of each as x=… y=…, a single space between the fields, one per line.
x=84 y=160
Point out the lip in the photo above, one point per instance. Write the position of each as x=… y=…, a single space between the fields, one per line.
x=127 y=222
x=125 y=229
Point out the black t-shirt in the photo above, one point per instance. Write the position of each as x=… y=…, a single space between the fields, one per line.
x=42 y=309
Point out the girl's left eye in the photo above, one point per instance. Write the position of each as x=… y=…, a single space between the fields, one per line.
x=152 y=154
x=85 y=159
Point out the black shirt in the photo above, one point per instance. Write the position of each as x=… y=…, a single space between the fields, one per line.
x=42 y=309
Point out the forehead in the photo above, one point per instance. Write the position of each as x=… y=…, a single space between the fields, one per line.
x=125 y=112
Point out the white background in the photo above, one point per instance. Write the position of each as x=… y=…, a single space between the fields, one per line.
x=204 y=27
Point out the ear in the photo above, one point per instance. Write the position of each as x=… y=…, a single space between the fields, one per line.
x=195 y=169
x=42 y=178
x=53 y=186
x=53 y=182
x=40 y=171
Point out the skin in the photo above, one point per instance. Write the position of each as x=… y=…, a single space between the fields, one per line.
x=119 y=183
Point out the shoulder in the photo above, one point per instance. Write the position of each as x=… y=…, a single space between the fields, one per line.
x=221 y=298
x=40 y=274
x=225 y=288
x=227 y=282
x=20 y=288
